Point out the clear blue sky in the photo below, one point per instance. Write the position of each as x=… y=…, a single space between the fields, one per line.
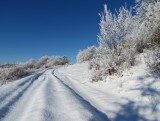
x=32 y=28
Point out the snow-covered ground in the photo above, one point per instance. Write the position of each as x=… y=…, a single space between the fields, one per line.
x=66 y=94
x=134 y=96
x=43 y=97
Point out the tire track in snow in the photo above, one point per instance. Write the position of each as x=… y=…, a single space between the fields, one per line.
x=95 y=114
x=34 y=107
x=46 y=98
x=15 y=87
x=61 y=105
x=49 y=100
x=12 y=98
x=11 y=90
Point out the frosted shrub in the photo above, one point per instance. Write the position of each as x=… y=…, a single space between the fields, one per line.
x=57 y=60
x=29 y=64
x=148 y=17
x=154 y=60
x=123 y=35
x=10 y=72
x=62 y=60
x=155 y=39
x=105 y=62
x=16 y=73
x=7 y=65
x=148 y=13
x=100 y=65
x=3 y=76
x=109 y=62
x=42 y=62
x=86 y=55
x=96 y=75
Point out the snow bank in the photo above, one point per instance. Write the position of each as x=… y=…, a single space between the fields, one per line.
x=133 y=96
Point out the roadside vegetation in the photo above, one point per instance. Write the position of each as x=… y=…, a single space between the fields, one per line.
x=10 y=72
x=123 y=36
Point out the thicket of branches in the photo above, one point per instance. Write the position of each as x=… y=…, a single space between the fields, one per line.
x=122 y=36
x=86 y=55
x=10 y=72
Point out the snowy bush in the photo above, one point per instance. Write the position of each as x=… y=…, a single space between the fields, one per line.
x=109 y=63
x=148 y=30
x=10 y=72
x=29 y=64
x=3 y=76
x=156 y=61
x=153 y=60
x=57 y=60
x=115 y=28
x=42 y=62
x=116 y=47
x=123 y=35
x=86 y=55
x=96 y=75
x=16 y=73
x=155 y=38
x=7 y=65
x=148 y=12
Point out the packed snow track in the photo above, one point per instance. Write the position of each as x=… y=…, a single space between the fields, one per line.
x=44 y=97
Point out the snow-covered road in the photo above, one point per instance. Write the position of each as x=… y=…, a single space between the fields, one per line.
x=44 y=97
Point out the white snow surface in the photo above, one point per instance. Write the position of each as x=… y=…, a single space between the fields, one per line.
x=66 y=94
x=133 y=96
x=43 y=97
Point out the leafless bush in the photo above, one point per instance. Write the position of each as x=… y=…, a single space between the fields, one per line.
x=122 y=36
x=10 y=72
x=29 y=64
x=16 y=73
x=57 y=60
x=42 y=62
x=86 y=55
x=108 y=62
x=7 y=65
x=153 y=60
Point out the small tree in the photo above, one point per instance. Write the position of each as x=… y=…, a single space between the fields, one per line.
x=86 y=55
x=30 y=64
x=115 y=28
x=116 y=49
x=57 y=60
x=148 y=17
x=43 y=60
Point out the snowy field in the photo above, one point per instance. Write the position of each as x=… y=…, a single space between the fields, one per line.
x=43 y=97
x=67 y=94
x=134 y=96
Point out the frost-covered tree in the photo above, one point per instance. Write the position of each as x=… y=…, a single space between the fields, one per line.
x=148 y=17
x=117 y=43
x=42 y=61
x=142 y=7
x=29 y=64
x=10 y=72
x=86 y=55
x=123 y=35
x=115 y=28
x=148 y=14
x=153 y=60
x=57 y=60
